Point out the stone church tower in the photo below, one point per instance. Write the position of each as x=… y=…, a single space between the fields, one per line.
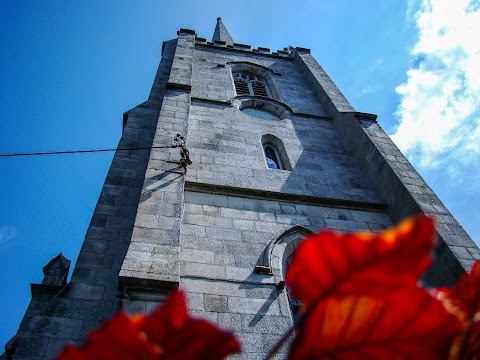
x=276 y=152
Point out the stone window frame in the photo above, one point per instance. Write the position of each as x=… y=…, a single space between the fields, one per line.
x=259 y=72
x=282 y=255
x=254 y=84
x=277 y=255
x=269 y=140
x=279 y=109
x=279 y=251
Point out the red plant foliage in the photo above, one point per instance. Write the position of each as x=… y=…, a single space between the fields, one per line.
x=168 y=333
x=463 y=300
x=334 y=262
x=361 y=298
x=399 y=325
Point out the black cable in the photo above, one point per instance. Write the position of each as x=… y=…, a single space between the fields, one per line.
x=87 y=151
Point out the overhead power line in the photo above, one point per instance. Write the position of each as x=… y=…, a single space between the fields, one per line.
x=87 y=151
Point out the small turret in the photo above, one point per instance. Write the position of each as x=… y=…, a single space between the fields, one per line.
x=56 y=271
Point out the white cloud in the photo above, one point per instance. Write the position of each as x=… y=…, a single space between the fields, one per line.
x=439 y=112
x=7 y=233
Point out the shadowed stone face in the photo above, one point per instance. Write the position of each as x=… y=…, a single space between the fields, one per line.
x=264 y=168
x=260 y=114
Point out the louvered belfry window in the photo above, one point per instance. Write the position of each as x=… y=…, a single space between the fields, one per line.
x=249 y=84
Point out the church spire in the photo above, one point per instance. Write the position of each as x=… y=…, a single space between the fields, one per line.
x=221 y=33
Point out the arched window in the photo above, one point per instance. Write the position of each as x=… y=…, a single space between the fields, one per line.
x=275 y=153
x=277 y=257
x=295 y=304
x=272 y=158
x=250 y=84
x=286 y=258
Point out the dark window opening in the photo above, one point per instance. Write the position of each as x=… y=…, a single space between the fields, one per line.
x=271 y=156
x=295 y=308
x=275 y=154
x=249 y=84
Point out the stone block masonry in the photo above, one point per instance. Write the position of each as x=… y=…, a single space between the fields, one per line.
x=224 y=237
x=91 y=295
x=225 y=231
x=403 y=189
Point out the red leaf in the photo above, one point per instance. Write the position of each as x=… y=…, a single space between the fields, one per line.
x=407 y=324
x=347 y=263
x=464 y=301
x=117 y=339
x=168 y=333
x=361 y=296
x=166 y=319
x=183 y=337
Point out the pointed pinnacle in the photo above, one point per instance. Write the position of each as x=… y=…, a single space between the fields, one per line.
x=221 y=33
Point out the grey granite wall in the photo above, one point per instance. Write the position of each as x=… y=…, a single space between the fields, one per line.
x=404 y=190
x=224 y=238
x=226 y=149
x=224 y=231
x=90 y=297
x=210 y=231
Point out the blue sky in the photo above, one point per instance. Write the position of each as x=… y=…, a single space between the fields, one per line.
x=69 y=71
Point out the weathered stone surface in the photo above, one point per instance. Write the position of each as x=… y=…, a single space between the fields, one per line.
x=207 y=231
x=86 y=292
x=215 y=303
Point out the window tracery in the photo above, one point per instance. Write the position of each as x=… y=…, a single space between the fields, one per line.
x=250 y=84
